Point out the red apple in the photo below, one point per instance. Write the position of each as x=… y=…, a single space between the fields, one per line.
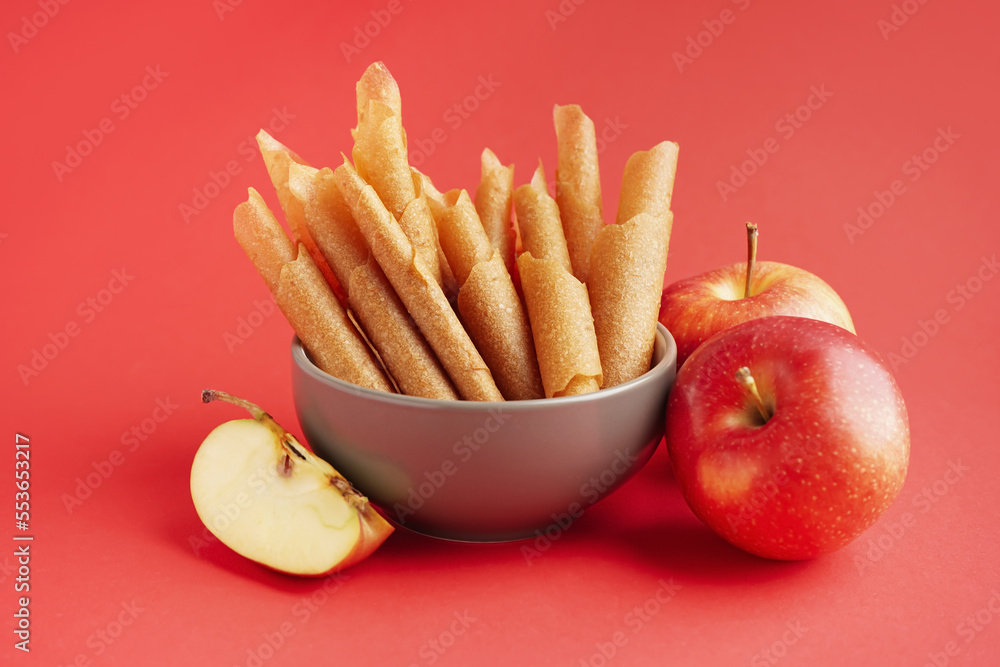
x=696 y=308
x=788 y=436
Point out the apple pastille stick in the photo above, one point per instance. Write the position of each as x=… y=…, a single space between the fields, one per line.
x=488 y=304
x=380 y=158
x=558 y=304
x=578 y=185
x=278 y=158
x=303 y=295
x=417 y=288
x=628 y=260
x=381 y=315
x=427 y=194
x=538 y=221
x=494 y=198
x=562 y=326
x=648 y=182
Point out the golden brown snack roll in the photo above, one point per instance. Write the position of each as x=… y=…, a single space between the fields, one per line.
x=303 y=295
x=628 y=261
x=648 y=182
x=538 y=221
x=578 y=185
x=562 y=327
x=278 y=159
x=375 y=305
x=380 y=158
x=377 y=84
x=494 y=200
x=262 y=238
x=461 y=234
x=493 y=315
x=417 y=288
x=488 y=304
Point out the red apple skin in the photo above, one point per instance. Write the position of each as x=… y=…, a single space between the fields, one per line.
x=824 y=467
x=695 y=309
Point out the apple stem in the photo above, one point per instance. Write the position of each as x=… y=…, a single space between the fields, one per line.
x=751 y=256
x=744 y=377
x=209 y=395
x=284 y=437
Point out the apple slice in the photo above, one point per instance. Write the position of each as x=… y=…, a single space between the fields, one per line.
x=270 y=499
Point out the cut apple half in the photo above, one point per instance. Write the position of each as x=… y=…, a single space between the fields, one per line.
x=270 y=499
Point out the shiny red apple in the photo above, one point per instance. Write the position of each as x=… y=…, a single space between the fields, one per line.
x=788 y=436
x=696 y=308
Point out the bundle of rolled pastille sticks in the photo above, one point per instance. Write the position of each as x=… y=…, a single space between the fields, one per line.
x=393 y=285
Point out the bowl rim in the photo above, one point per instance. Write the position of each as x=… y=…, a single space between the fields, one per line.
x=661 y=367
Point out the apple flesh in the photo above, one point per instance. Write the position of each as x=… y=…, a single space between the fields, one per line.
x=273 y=501
x=799 y=453
x=696 y=308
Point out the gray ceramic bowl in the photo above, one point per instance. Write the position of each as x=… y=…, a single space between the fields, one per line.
x=484 y=472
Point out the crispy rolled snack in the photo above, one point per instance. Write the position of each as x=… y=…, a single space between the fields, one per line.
x=628 y=261
x=380 y=158
x=578 y=185
x=428 y=195
x=494 y=198
x=380 y=155
x=539 y=223
x=562 y=326
x=417 y=289
x=303 y=295
x=487 y=301
x=461 y=233
x=377 y=84
x=648 y=182
x=381 y=315
x=278 y=158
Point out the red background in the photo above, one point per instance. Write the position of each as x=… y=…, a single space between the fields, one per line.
x=163 y=336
